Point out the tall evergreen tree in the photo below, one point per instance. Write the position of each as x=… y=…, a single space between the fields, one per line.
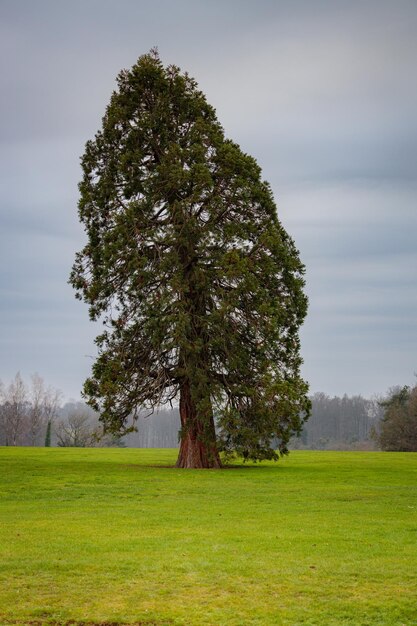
x=200 y=287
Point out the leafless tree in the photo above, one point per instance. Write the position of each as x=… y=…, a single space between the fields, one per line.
x=35 y=417
x=25 y=413
x=44 y=406
x=76 y=431
x=14 y=411
x=51 y=404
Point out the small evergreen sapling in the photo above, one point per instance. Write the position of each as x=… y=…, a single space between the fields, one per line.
x=48 y=435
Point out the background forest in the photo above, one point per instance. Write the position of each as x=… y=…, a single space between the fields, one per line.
x=33 y=414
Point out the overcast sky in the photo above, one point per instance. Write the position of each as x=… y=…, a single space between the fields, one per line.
x=322 y=93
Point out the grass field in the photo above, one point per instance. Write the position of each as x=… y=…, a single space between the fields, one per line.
x=114 y=535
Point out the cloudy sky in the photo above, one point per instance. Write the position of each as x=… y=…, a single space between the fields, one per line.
x=322 y=93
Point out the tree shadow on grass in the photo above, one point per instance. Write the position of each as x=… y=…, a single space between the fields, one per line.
x=226 y=466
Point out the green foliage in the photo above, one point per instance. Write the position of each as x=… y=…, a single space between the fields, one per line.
x=114 y=536
x=199 y=285
x=398 y=429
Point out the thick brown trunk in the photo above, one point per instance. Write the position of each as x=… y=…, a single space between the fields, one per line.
x=198 y=441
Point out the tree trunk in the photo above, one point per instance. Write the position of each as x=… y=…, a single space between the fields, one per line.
x=198 y=448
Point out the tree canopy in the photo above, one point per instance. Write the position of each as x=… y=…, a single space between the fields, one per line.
x=397 y=430
x=199 y=286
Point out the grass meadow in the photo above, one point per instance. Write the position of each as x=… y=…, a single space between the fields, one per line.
x=99 y=536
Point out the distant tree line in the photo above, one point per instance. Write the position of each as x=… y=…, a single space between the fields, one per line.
x=356 y=423
x=33 y=415
x=340 y=423
x=27 y=411
x=159 y=430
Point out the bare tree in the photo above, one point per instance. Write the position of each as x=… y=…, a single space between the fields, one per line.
x=35 y=417
x=14 y=411
x=43 y=409
x=76 y=431
x=51 y=405
x=25 y=413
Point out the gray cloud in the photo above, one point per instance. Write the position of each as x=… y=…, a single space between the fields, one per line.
x=322 y=94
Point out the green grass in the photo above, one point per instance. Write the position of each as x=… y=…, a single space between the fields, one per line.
x=117 y=536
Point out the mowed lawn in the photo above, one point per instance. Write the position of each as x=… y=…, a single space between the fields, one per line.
x=119 y=536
